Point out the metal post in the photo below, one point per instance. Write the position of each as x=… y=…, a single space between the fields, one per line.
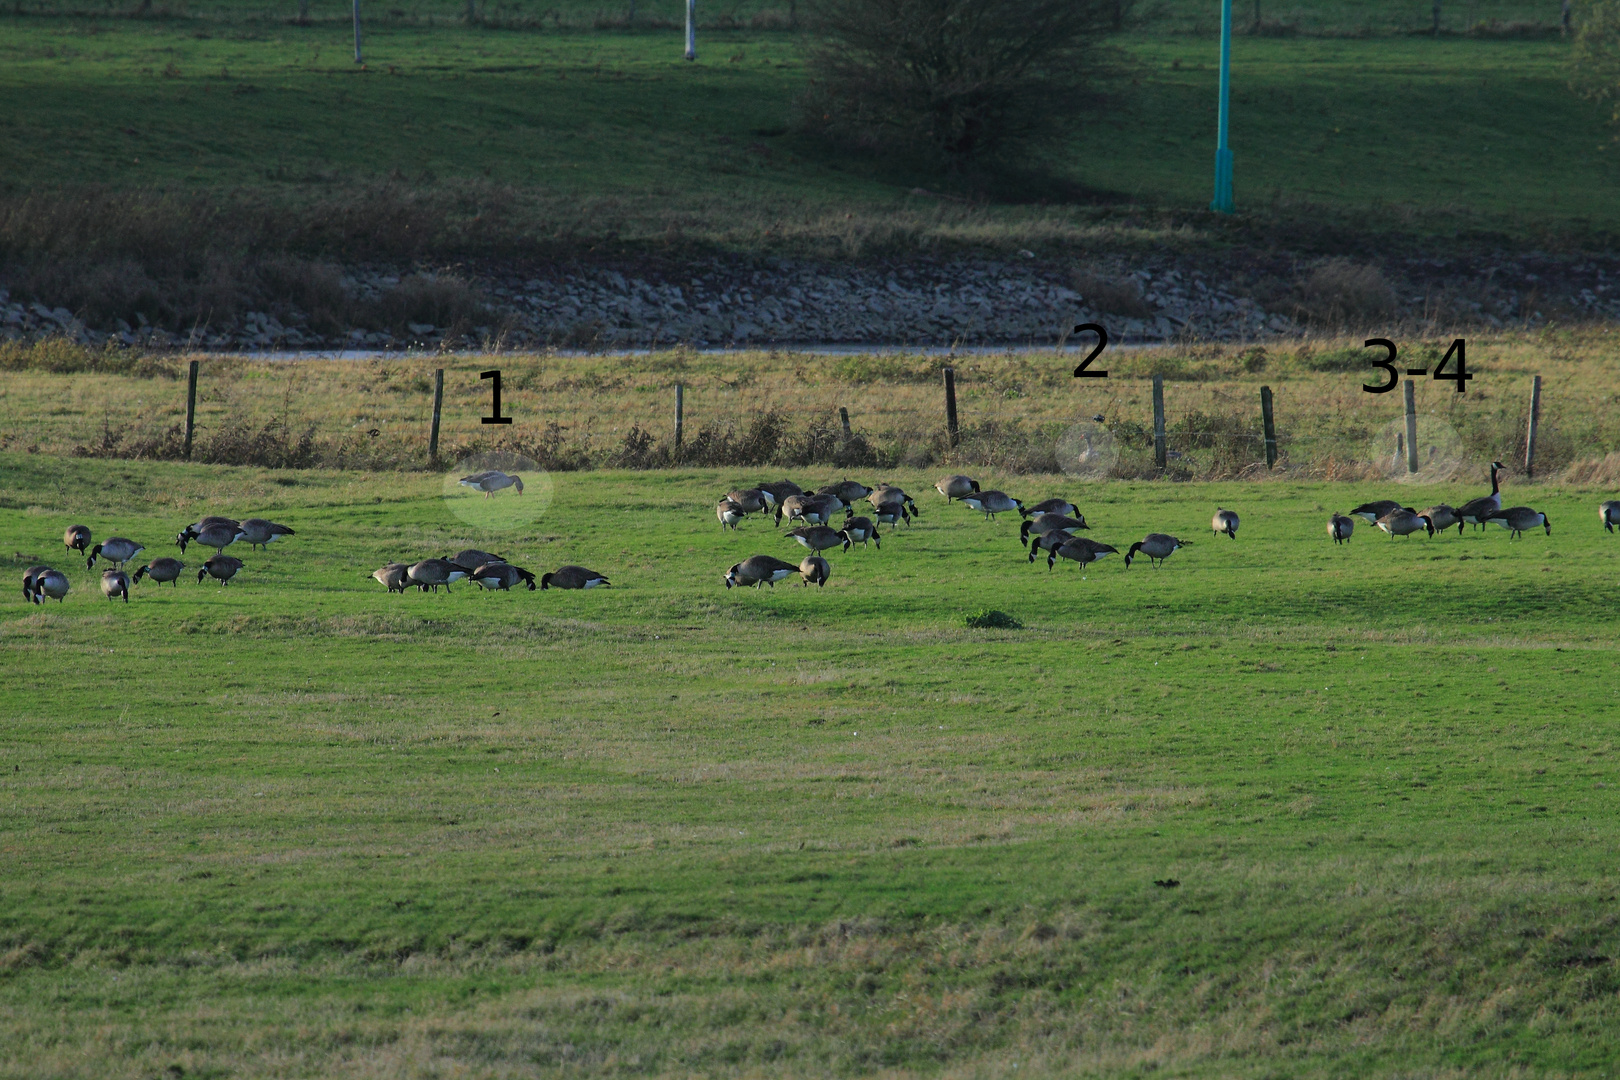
x=950 y=404
x=691 y=29
x=1269 y=420
x=843 y=414
x=1160 y=457
x=1535 y=422
x=1222 y=203
x=438 y=405
x=1409 y=390
x=191 y=406
x=357 y=33
x=680 y=413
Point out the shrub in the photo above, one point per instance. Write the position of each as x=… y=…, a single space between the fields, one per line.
x=990 y=619
x=1340 y=292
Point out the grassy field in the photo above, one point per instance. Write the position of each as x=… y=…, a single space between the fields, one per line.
x=299 y=827
x=587 y=134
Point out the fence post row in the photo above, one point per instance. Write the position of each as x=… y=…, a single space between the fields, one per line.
x=1409 y=392
x=843 y=414
x=950 y=404
x=438 y=406
x=1268 y=419
x=1535 y=422
x=191 y=406
x=680 y=413
x=1160 y=457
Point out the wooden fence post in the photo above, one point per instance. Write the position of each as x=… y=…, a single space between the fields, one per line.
x=438 y=405
x=1268 y=420
x=191 y=406
x=950 y=404
x=843 y=414
x=691 y=29
x=1410 y=393
x=1160 y=454
x=680 y=413
x=1535 y=422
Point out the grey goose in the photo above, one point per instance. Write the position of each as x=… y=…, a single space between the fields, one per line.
x=220 y=567
x=431 y=573
x=115 y=583
x=1225 y=522
x=490 y=481
x=218 y=536
x=819 y=537
x=1478 y=511
x=77 y=538
x=1050 y=521
x=117 y=551
x=1520 y=519
x=1609 y=514
x=30 y=578
x=1157 y=547
x=1052 y=506
x=189 y=533
x=815 y=571
x=991 y=503
x=729 y=514
x=259 y=532
x=49 y=582
x=1049 y=541
x=1443 y=517
x=956 y=486
x=502 y=576
x=757 y=570
x=860 y=530
x=572 y=577
x=161 y=570
x=1341 y=528
x=814 y=509
x=395 y=577
x=1404 y=522
x=1080 y=549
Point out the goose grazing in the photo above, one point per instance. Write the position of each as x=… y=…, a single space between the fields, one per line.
x=473 y=558
x=502 y=576
x=809 y=508
x=189 y=533
x=890 y=512
x=819 y=537
x=115 y=583
x=220 y=567
x=778 y=490
x=161 y=570
x=48 y=583
x=1225 y=521
x=955 y=487
x=1520 y=519
x=749 y=500
x=757 y=570
x=395 y=577
x=860 y=530
x=1609 y=514
x=77 y=538
x=1157 y=547
x=1081 y=550
x=991 y=503
x=490 y=481
x=729 y=514
x=847 y=491
x=1404 y=522
x=117 y=551
x=1049 y=541
x=431 y=573
x=1049 y=521
x=815 y=570
x=888 y=493
x=572 y=577
x=30 y=580
x=1052 y=506
x=1443 y=517
x=1372 y=511
x=1341 y=528
x=258 y=532
x=218 y=536
x=1478 y=511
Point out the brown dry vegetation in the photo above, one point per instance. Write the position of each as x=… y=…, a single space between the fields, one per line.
x=576 y=412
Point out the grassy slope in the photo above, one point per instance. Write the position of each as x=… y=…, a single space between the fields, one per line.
x=1485 y=129
x=299 y=827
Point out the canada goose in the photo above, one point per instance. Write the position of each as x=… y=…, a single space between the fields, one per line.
x=573 y=577
x=991 y=503
x=503 y=576
x=51 y=583
x=431 y=573
x=259 y=532
x=1224 y=521
x=1520 y=519
x=161 y=570
x=1049 y=522
x=729 y=514
x=1404 y=522
x=396 y=576
x=813 y=509
x=819 y=537
x=1443 y=517
x=1372 y=511
x=815 y=570
x=1157 y=547
x=490 y=481
x=847 y=491
x=891 y=512
x=189 y=533
x=30 y=577
x=115 y=583
x=1609 y=513
x=888 y=493
x=777 y=490
x=220 y=567
x=117 y=550
x=77 y=538
x=1341 y=528
x=217 y=536
x=1052 y=506
x=473 y=558
x=749 y=500
x=1049 y=541
x=1080 y=549
x=1478 y=511
x=954 y=487
x=757 y=570
x=860 y=530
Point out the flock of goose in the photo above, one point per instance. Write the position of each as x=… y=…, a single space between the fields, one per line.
x=1397 y=520
x=490 y=572
x=41 y=583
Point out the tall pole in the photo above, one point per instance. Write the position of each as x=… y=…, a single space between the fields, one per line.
x=691 y=29
x=191 y=406
x=357 y=33
x=1409 y=389
x=1161 y=456
x=1222 y=203
x=438 y=406
x=1268 y=420
x=680 y=414
x=1535 y=422
x=950 y=405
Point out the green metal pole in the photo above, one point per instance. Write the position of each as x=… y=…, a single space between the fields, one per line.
x=1222 y=203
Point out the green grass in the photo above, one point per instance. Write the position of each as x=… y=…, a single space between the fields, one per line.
x=298 y=827
x=1412 y=133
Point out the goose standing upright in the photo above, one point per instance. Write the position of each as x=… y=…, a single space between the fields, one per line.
x=1478 y=511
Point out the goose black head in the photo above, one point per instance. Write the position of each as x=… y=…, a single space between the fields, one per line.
x=202 y=574
x=1023 y=533
x=1547 y=523
x=1131 y=554
x=517 y=482
x=91 y=561
x=1428 y=523
x=545 y=580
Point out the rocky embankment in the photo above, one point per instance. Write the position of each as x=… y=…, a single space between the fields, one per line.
x=771 y=302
